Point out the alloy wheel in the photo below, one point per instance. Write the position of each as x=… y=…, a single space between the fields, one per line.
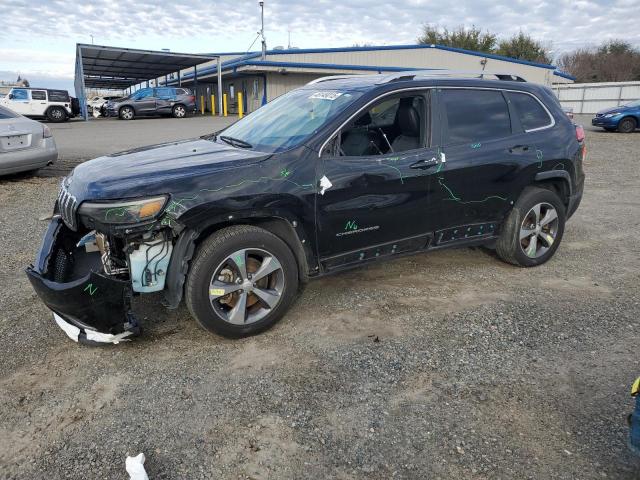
x=538 y=230
x=179 y=111
x=246 y=286
x=127 y=114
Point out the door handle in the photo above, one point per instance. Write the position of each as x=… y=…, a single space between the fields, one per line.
x=424 y=163
x=519 y=149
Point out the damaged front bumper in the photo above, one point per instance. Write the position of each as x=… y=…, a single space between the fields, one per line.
x=89 y=305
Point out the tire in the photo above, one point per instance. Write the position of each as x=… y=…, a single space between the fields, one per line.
x=215 y=270
x=56 y=114
x=126 y=113
x=627 y=125
x=523 y=227
x=179 y=111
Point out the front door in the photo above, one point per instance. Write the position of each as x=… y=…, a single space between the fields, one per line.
x=145 y=102
x=373 y=197
x=19 y=101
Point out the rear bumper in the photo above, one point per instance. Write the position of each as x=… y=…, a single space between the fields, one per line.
x=575 y=198
x=91 y=306
x=29 y=158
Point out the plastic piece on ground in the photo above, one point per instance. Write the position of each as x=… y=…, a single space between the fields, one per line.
x=135 y=467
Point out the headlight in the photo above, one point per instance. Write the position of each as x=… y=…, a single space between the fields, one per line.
x=125 y=212
x=609 y=115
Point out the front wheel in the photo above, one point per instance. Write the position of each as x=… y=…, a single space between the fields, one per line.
x=627 y=125
x=533 y=229
x=179 y=111
x=127 y=113
x=242 y=281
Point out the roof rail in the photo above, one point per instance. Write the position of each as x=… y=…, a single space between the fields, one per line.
x=331 y=77
x=418 y=74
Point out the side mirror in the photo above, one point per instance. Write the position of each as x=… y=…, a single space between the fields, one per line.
x=11 y=96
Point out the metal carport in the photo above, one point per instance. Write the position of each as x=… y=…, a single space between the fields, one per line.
x=99 y=66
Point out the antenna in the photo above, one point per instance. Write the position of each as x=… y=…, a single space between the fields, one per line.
x=289 y=41
x=264 y=40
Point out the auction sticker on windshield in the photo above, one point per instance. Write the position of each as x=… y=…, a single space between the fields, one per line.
x=327 y=95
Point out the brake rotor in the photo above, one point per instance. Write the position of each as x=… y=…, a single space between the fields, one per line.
x=228 y=276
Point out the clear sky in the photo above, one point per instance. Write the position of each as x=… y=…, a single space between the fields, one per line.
x=38 y=37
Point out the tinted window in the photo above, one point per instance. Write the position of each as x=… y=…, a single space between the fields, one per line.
x=38 y=95
x=475 y=115
x=165 y=93
x=531 y=113
x=20 y=94
x=145 y=92
x=6 y=113
x=58 y=96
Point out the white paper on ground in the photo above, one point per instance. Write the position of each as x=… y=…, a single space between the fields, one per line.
x=135 y=467
x=71 y=330
x=106 y=337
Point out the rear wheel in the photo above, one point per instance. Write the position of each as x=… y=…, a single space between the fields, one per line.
x=627 y=125
x=127 y=113
x=242 y=281
x=533 y=229
x=179 y=111
x=56 y=114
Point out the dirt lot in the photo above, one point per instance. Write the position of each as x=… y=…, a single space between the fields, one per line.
x=451 y=364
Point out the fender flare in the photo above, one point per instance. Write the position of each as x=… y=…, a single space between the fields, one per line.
x=554 y=174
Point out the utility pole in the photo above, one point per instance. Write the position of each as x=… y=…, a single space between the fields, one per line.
x=91 y=39
x=264 y=40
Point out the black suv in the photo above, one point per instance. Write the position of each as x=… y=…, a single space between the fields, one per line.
x=177 y=102
x=333 y=175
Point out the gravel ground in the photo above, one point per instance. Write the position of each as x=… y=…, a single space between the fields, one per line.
x=451 y=364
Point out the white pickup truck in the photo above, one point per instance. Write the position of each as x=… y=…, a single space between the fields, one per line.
x=54 y=105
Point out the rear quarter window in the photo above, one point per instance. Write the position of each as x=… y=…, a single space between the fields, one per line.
x=58 y=96
x=531 y=113
x=474 y=115
x=6 y=113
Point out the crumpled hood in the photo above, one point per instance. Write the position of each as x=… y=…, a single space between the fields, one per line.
x=155 y=169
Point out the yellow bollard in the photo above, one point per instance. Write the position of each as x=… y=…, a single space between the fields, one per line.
x=224 y=104
x=240 y=105
x=202 y=104
x=213 y=104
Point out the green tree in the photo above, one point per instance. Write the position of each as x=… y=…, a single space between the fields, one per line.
x=524 y=47
x=468 y=38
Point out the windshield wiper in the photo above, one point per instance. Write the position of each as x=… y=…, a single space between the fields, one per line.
x=235 y=142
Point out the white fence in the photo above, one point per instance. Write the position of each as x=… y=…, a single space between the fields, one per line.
x=593 y=97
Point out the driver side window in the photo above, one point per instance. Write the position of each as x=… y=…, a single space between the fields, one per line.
x=391 y=125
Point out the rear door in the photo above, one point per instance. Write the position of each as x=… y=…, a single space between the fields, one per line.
x=477 y=184
x=165 y=99
x=38 y=102
x=375 y=198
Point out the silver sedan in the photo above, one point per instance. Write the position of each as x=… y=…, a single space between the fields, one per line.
x=24 y=144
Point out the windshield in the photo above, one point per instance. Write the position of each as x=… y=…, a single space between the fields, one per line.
x=288 y=120
x=633 y=104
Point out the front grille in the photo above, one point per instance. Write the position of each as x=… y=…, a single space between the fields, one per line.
x=67 y=205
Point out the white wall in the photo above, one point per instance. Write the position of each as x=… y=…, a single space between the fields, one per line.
x=593 y=97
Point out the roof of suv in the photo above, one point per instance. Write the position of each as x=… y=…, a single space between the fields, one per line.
x=370 y=82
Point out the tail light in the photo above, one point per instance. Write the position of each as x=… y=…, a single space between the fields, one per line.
x=579 y=133
x=193 y=98
x=46 y=132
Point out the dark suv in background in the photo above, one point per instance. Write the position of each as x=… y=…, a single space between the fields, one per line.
x=177 y=102
x=336 y=174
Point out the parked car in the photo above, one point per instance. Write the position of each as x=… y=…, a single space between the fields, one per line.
x=177 y=102
x=625 y=118
x=333 y=175
x=54 y=105
x=96 y=104
x=24 y=144
x=634 y=420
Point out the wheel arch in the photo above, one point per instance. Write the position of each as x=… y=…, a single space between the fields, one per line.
x=558 y=181
x=286 y=228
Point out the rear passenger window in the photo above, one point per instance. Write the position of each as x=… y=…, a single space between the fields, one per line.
x=38 y=95
x=475 y=115
x=532 y=115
